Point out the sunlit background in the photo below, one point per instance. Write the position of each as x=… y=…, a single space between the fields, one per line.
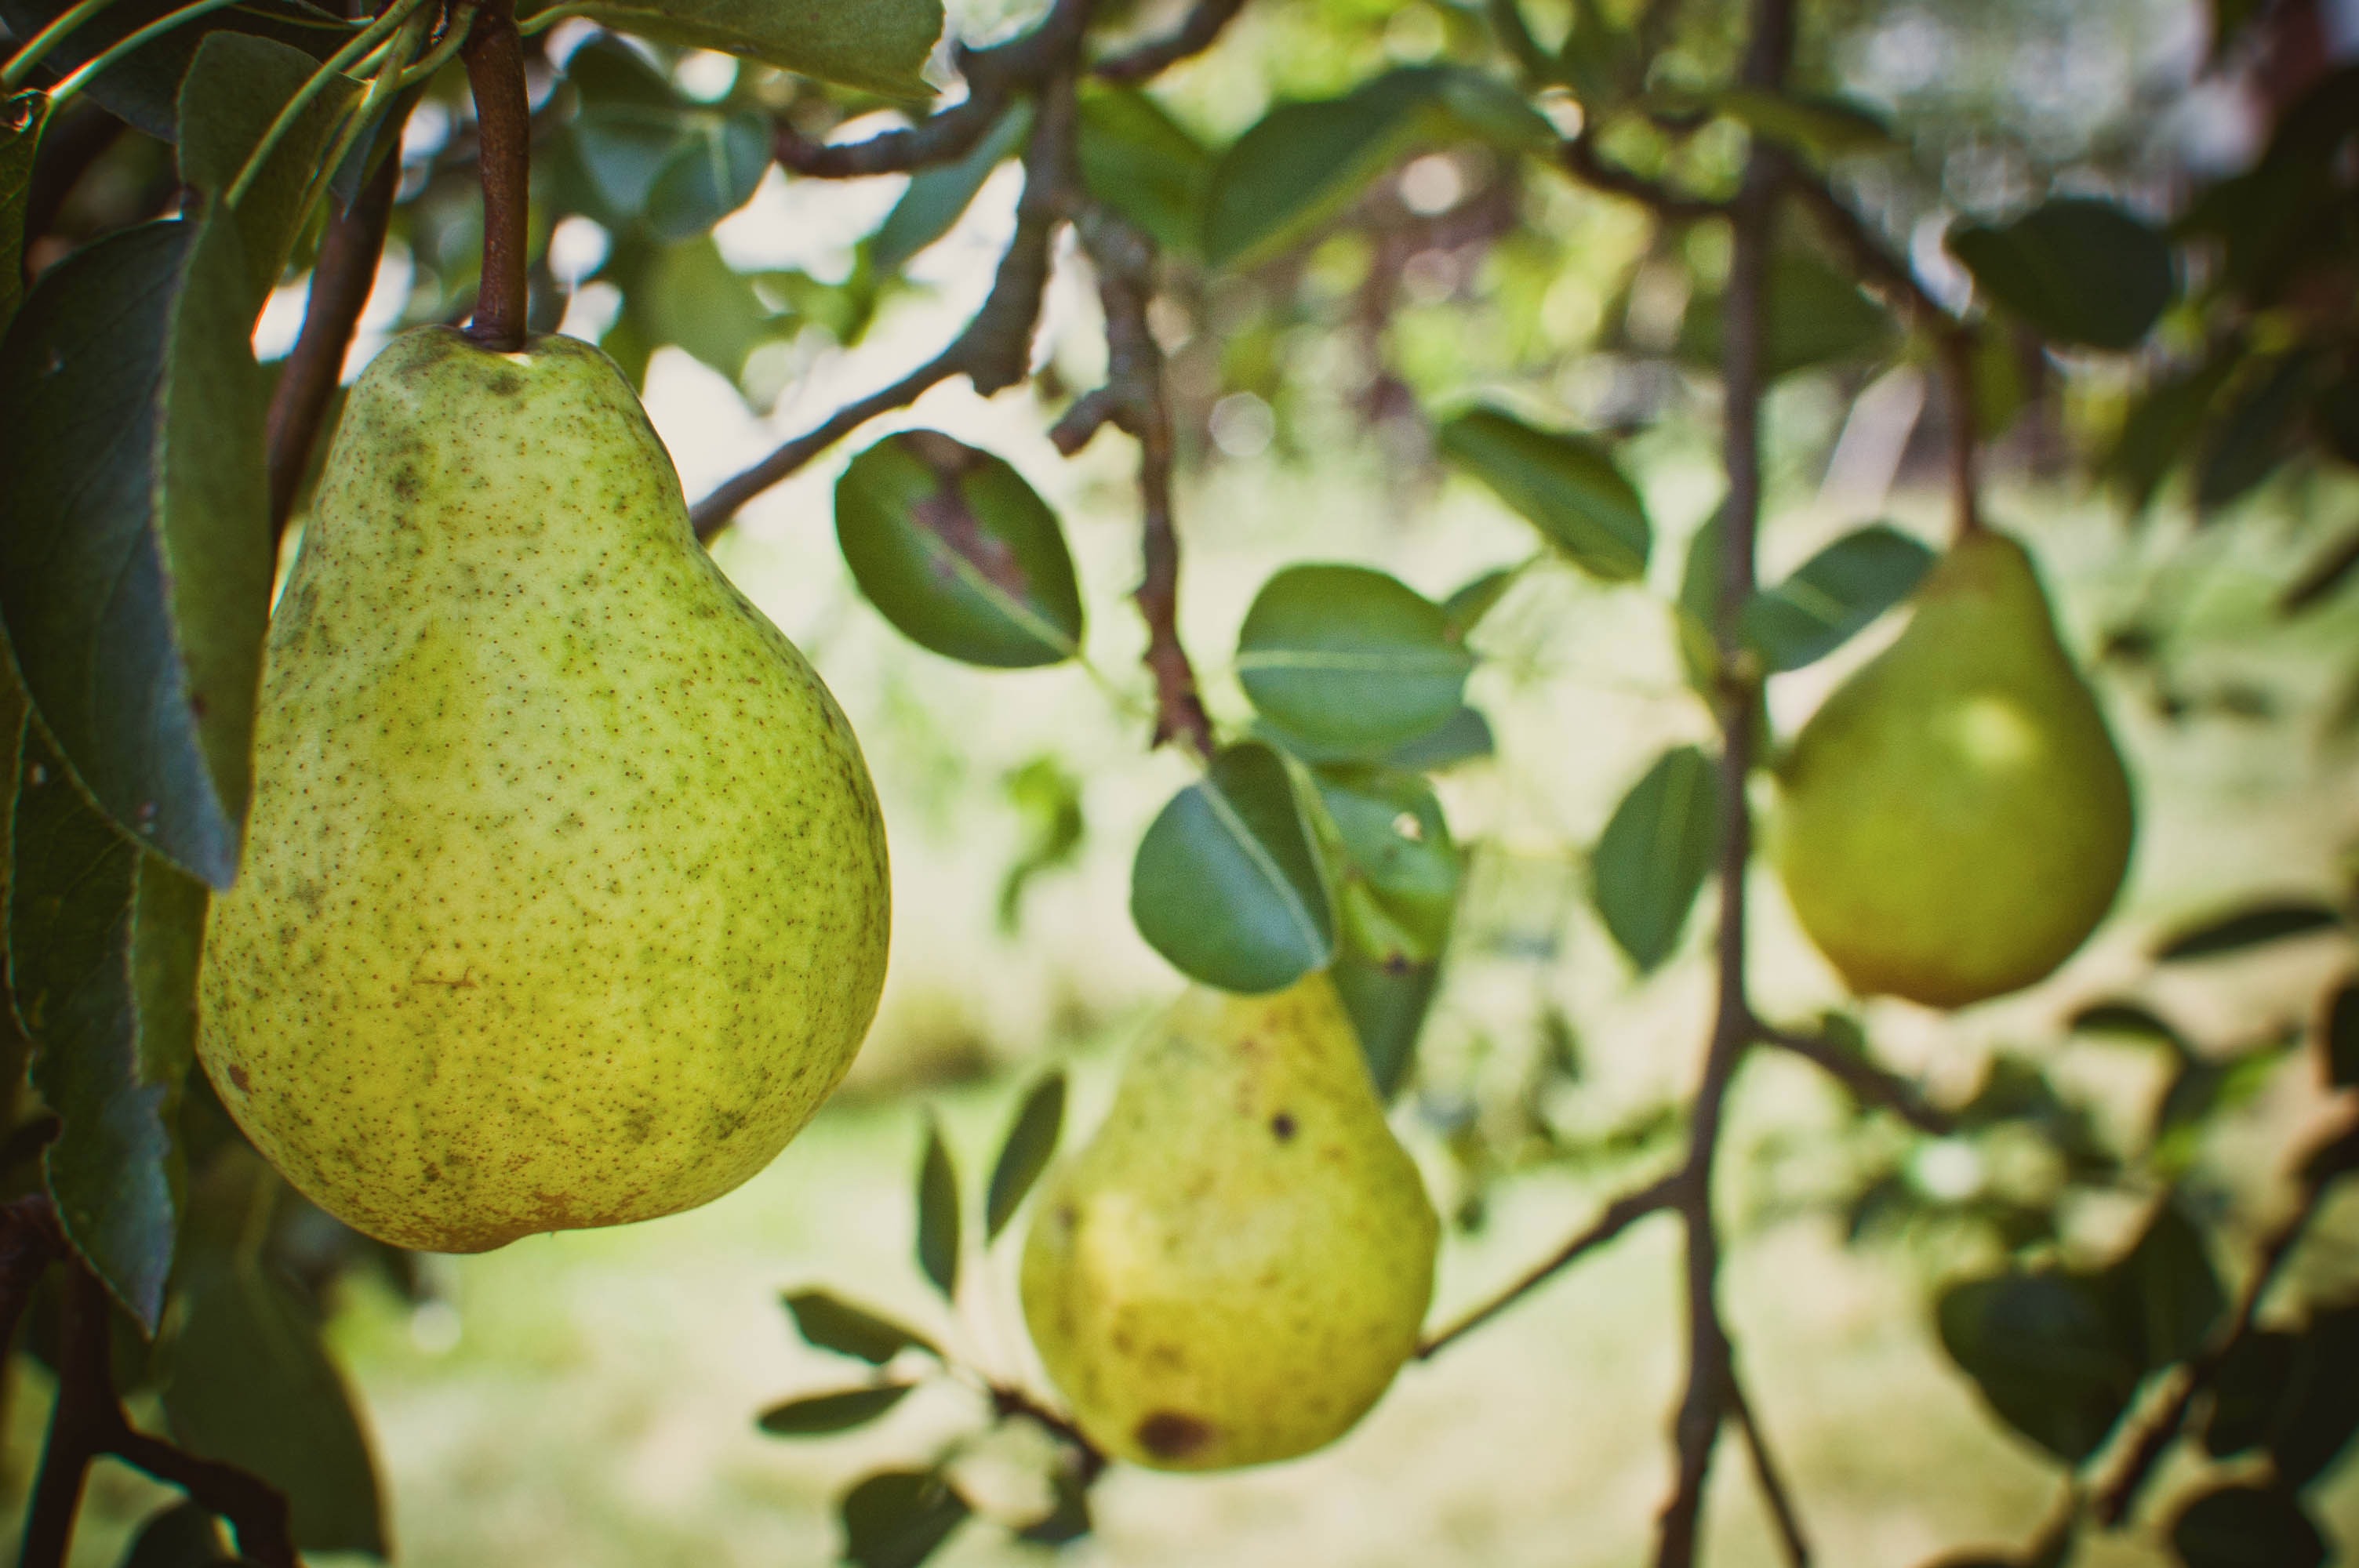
x=587 y=1398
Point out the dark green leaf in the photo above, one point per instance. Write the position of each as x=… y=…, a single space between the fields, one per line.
x=896 y=1517
x=2162 y=425
x=1140 y=161
x=2249 y=1393
x=21 y=119
x=1031 y=1140
x=958 y=552
x=2042 y=1350
x=1067 y=1520
x=2337 y=1036
x=1815 y=315
x=1653 y=854
x=1387 y=1005
x=1568 y=486
x=143 y=89
x=621 y=148
x=249 y=1383
x=1305 y=162
x=712 y=173
x=1349 y=658
x=2261 y=428
x=936 y=196
x=102 y=949
x=832 y=1323
x=2129 y=1018
x=824 y=1414
x=2317 y=1419
x=2245 y=1525
x=1226 y=884
x=880 y=45
x=181 y=1536
x=2076 y=269
x=1834 y=596
x=2165 y=1295
x=938 y=1214
x=2328 y=571
x=2251 y=927
x=1464 y=609
x=687 y=295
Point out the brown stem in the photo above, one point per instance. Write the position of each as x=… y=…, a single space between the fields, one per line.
x=1007 y=1400
x=494 y=56
x=1871 y=1084
x=1958 y=347
x=340 y=288
x=1766 y=1473
x=1193 y=36
x=1582 y=159
x=1619 y=1215
x=2114 y=1499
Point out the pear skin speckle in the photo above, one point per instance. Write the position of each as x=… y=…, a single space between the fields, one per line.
x=1235 y=1268
x=565 y=897
x=1955 y=820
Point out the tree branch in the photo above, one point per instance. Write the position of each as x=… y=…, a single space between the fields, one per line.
x=995 y=349
x=1193 y=36
x=1765 y=1473
x=2114 y=1499
x=1619 y=1215
x=1580 y=158
x=341 y=281
x=1133 y=400
x=494 y=56
x=1868 y=1083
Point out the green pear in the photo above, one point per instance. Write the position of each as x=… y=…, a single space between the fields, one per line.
x=1955 y=818
x=564 y=898
x=1237 y=1264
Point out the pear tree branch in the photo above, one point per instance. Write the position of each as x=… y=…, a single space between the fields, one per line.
x=494 y=58
x=1870 y=1083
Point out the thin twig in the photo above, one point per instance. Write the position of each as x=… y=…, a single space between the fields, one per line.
x=1133 y=400
x=1774 y=1490
x=494 y=56
x=341 y=282
x=1008 y=1400
x=1582 y=159
x=2114 y=1500
x=1619 y=1215
x=1870 y=1083
x=1193 y=36
x=994 y=350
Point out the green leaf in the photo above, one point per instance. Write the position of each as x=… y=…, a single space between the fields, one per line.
x=2261 y=428
x=2337 y=1036
x=937 y=197
x=2246 y=1525
x=1349 y=658
x=832 y=1323
x=135 y=551
x=1140 y=161
x=1048 y=798
x=895 y=1518
x=1567 y=486
x=1387 y=1007
x=21 y=119
x=2130 y=1019
x=1304 y=163
x=2042 y=1349
x=621 y=148
x=821 y=1415
x=687 y=296
x=1465 y=607
x=2161 y=428
x=248 y=1383
x=181 y=1536
x=1226 y=884
x=1652 y=859
x=2165 y=1293
x=1463 y=737
x=2075 y=269
x=938 y=1214
x=1395 y=851
x=1834 y=596
x=1815 y=316
x=713 y=172
x=2327 y=571
x=958 y=552
x=1031 y=1140
x=2250 y=928
x=880 y=45
x=103 y=948
x=2316 y=1420
x=1824 y=127
x=144 y=88
x=2247 y=1393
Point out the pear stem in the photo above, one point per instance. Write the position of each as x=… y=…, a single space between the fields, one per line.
x=494 y=56
x=1958 y=348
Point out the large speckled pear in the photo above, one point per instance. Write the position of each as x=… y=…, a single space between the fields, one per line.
x=1955 y=818
x=564 y=898
x=1235 y=1266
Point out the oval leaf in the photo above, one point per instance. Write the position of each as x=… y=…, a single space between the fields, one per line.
x=1350 y=659
x=1394 y=847
x=1136 y=158
x=897 y=1518
x=1568 y=486
x=958 y=552
x=2166 y=1294
x=938 y=1214
x=1226 y=884
x=2077 y=270
x=833 y=1323
x=1031 y=1140
x=2042 y=1349
x=1387 y=1007
x=1834 y=596
x=2254 y=927
x=937 y=198
x=822 y=1415
x=2246 y=1525
x=709 y=175
x=881 y=44
x=1653 y=856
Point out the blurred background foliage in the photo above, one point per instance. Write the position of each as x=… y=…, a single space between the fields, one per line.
x=1937 y=1327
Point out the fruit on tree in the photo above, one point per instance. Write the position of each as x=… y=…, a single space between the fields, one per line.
x=564 y=901
x=1956 y=819
x=1234 y=1269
